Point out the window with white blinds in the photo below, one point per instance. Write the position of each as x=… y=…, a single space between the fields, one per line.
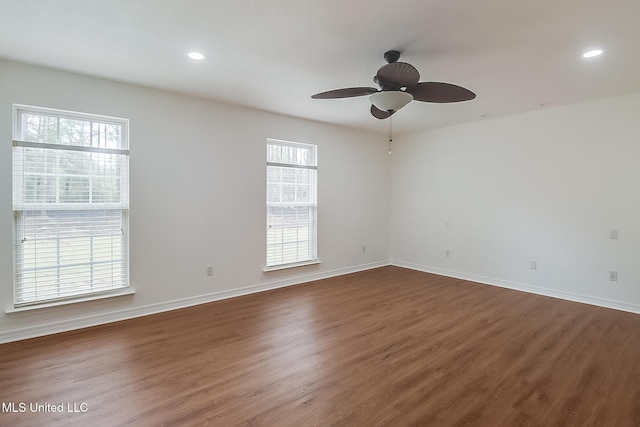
x=291 y=203
x=70 y=204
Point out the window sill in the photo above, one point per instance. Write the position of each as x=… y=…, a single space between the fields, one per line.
x=292 y=265
x=67 y=302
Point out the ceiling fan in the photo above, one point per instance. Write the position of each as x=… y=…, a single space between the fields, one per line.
x=399 y=85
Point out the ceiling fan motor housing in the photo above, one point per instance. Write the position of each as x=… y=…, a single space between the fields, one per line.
x=392 y=56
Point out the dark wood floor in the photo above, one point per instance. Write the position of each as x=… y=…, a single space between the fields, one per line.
x=388 y=346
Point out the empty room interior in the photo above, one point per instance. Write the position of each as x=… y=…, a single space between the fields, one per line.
x=291 y=213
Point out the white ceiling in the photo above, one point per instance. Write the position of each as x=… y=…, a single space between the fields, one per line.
x=517 y=55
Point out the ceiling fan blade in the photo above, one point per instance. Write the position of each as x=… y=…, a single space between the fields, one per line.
x=345 y=93
x=440 y=92
x=379 y=114
x=398 y=74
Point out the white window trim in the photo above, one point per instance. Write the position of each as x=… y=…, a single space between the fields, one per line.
x=315 y=260
x=17 y=142
x=65 y=302
x=267 y=269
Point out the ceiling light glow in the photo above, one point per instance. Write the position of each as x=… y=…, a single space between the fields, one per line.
x=196 y=56
x=592 y=53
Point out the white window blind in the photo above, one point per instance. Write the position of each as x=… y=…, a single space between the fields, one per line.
x=70 y=203
x=291 y=203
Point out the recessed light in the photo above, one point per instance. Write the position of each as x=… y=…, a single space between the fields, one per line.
x=196 y=56
x=592 y=53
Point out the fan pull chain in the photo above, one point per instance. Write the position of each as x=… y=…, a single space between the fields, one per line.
x=390 y=132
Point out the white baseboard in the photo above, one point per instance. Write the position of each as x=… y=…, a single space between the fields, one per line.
x=569 y=296
x=130 y=313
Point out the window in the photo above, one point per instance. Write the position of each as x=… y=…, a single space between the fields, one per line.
x=291 y=203
x=70 y=204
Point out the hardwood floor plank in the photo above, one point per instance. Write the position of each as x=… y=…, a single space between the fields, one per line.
x=384 y=347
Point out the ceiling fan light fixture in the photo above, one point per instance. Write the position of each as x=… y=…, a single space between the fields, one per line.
x=391 y=100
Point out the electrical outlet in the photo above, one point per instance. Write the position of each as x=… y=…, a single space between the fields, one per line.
x=613 y=276
x=209 y=270
x=533 y=264
x=613 y=233
x=447 y=253
x=364 y=249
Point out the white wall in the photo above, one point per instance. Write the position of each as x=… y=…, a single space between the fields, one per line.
x=545 y=186
x=197 y=196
